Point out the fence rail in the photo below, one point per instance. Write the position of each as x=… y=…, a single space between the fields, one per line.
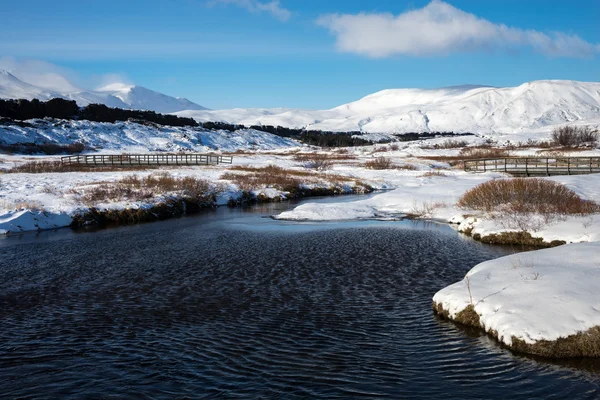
x=147 y=159
x=536 y=166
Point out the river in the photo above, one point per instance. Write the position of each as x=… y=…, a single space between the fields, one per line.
x=234 y=304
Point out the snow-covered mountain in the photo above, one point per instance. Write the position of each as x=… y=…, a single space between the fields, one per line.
x=532 y=107
x=115 y=95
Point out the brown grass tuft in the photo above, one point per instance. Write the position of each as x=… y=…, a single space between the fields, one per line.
x=379 y=163
x=526 y=195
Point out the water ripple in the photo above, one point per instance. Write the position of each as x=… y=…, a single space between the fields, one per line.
x=175 y=310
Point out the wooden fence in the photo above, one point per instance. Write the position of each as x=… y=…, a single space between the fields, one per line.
x=536 y=166
x=147 y=159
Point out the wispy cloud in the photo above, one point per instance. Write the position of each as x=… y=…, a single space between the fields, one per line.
x=440 y=29
x=255 y=6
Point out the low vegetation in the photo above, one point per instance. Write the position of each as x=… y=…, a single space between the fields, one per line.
x=447 y=144
x=379 y=163
x=293 y=182
x=526 y=195
x=51 y=166
x=526 y=203
x=574 y=136
x=135 y=188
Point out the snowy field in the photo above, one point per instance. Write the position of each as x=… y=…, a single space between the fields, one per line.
x=415 y=186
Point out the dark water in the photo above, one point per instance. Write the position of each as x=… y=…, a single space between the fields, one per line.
x=235 y=305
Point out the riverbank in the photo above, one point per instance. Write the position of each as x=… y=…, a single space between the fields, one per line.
x=419 y=178
x=545 y=302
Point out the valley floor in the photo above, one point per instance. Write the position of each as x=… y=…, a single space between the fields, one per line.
x=529 y=301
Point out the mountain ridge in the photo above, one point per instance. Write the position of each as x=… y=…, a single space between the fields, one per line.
x=535 y=106
x=117 y=95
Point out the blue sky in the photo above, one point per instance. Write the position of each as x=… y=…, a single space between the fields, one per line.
x=305 y=53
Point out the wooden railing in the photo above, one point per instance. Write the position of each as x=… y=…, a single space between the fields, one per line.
x=536 y=166
x=147 y=159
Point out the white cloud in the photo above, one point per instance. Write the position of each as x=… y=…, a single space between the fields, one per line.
x=53 y=77
x=440 y=29
x=255 y=6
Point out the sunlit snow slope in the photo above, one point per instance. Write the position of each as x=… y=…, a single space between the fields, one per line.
x=532 y=107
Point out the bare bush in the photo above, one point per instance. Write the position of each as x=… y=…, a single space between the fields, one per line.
x=573 y=136
x=482 y=152
x=394 y=147
x=379 y=163
x=526 y=196
x=319 y=162
x=448 y=144
x=425 y=209
x=134 y=188
x=51 y=166
x=429 y=174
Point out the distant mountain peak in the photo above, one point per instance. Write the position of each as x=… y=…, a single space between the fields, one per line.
x=118 y=94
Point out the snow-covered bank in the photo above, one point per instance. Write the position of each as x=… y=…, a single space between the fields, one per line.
x=32 y=220
x=435 y=196
x=529 y=299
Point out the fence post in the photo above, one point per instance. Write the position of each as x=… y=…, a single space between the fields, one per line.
x=569 y=166
x=526 y=166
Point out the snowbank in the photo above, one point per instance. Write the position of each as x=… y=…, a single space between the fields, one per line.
x=30 y=220
x=434 y=197
x=531 y=297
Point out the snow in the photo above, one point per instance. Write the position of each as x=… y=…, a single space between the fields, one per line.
x=114 y=95
x=541 y=295
x=532 y=107
x=31 y=220
x=133 y=137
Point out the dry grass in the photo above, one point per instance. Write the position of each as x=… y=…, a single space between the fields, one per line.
x=270 y=176
x=286 y=180
x=334 y=156
x=526 y=204
x=425 y=209
x=583 y=344
x=52 y=166
x=445 y=145
x=469 y=153
x=381 y=149
x=134 y=188
x=379 y=163
x=32 y=205
x=526 y=195
x=318 y=161
x=430 y=174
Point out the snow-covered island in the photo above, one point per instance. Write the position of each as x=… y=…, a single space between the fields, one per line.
x=544 y=302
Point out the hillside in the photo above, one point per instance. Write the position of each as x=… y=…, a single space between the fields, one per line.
x=531 y=107
x=115 y=95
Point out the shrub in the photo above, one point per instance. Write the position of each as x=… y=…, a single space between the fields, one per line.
x=320 y=162
x=526 y=195
x=394 y=147
x=134 y=188
x=482 y=152
x=48 y=166
x=448 y=144
x=379 y=163
x=569 y=136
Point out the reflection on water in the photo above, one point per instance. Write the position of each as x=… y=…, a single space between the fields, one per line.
x=234 y=304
